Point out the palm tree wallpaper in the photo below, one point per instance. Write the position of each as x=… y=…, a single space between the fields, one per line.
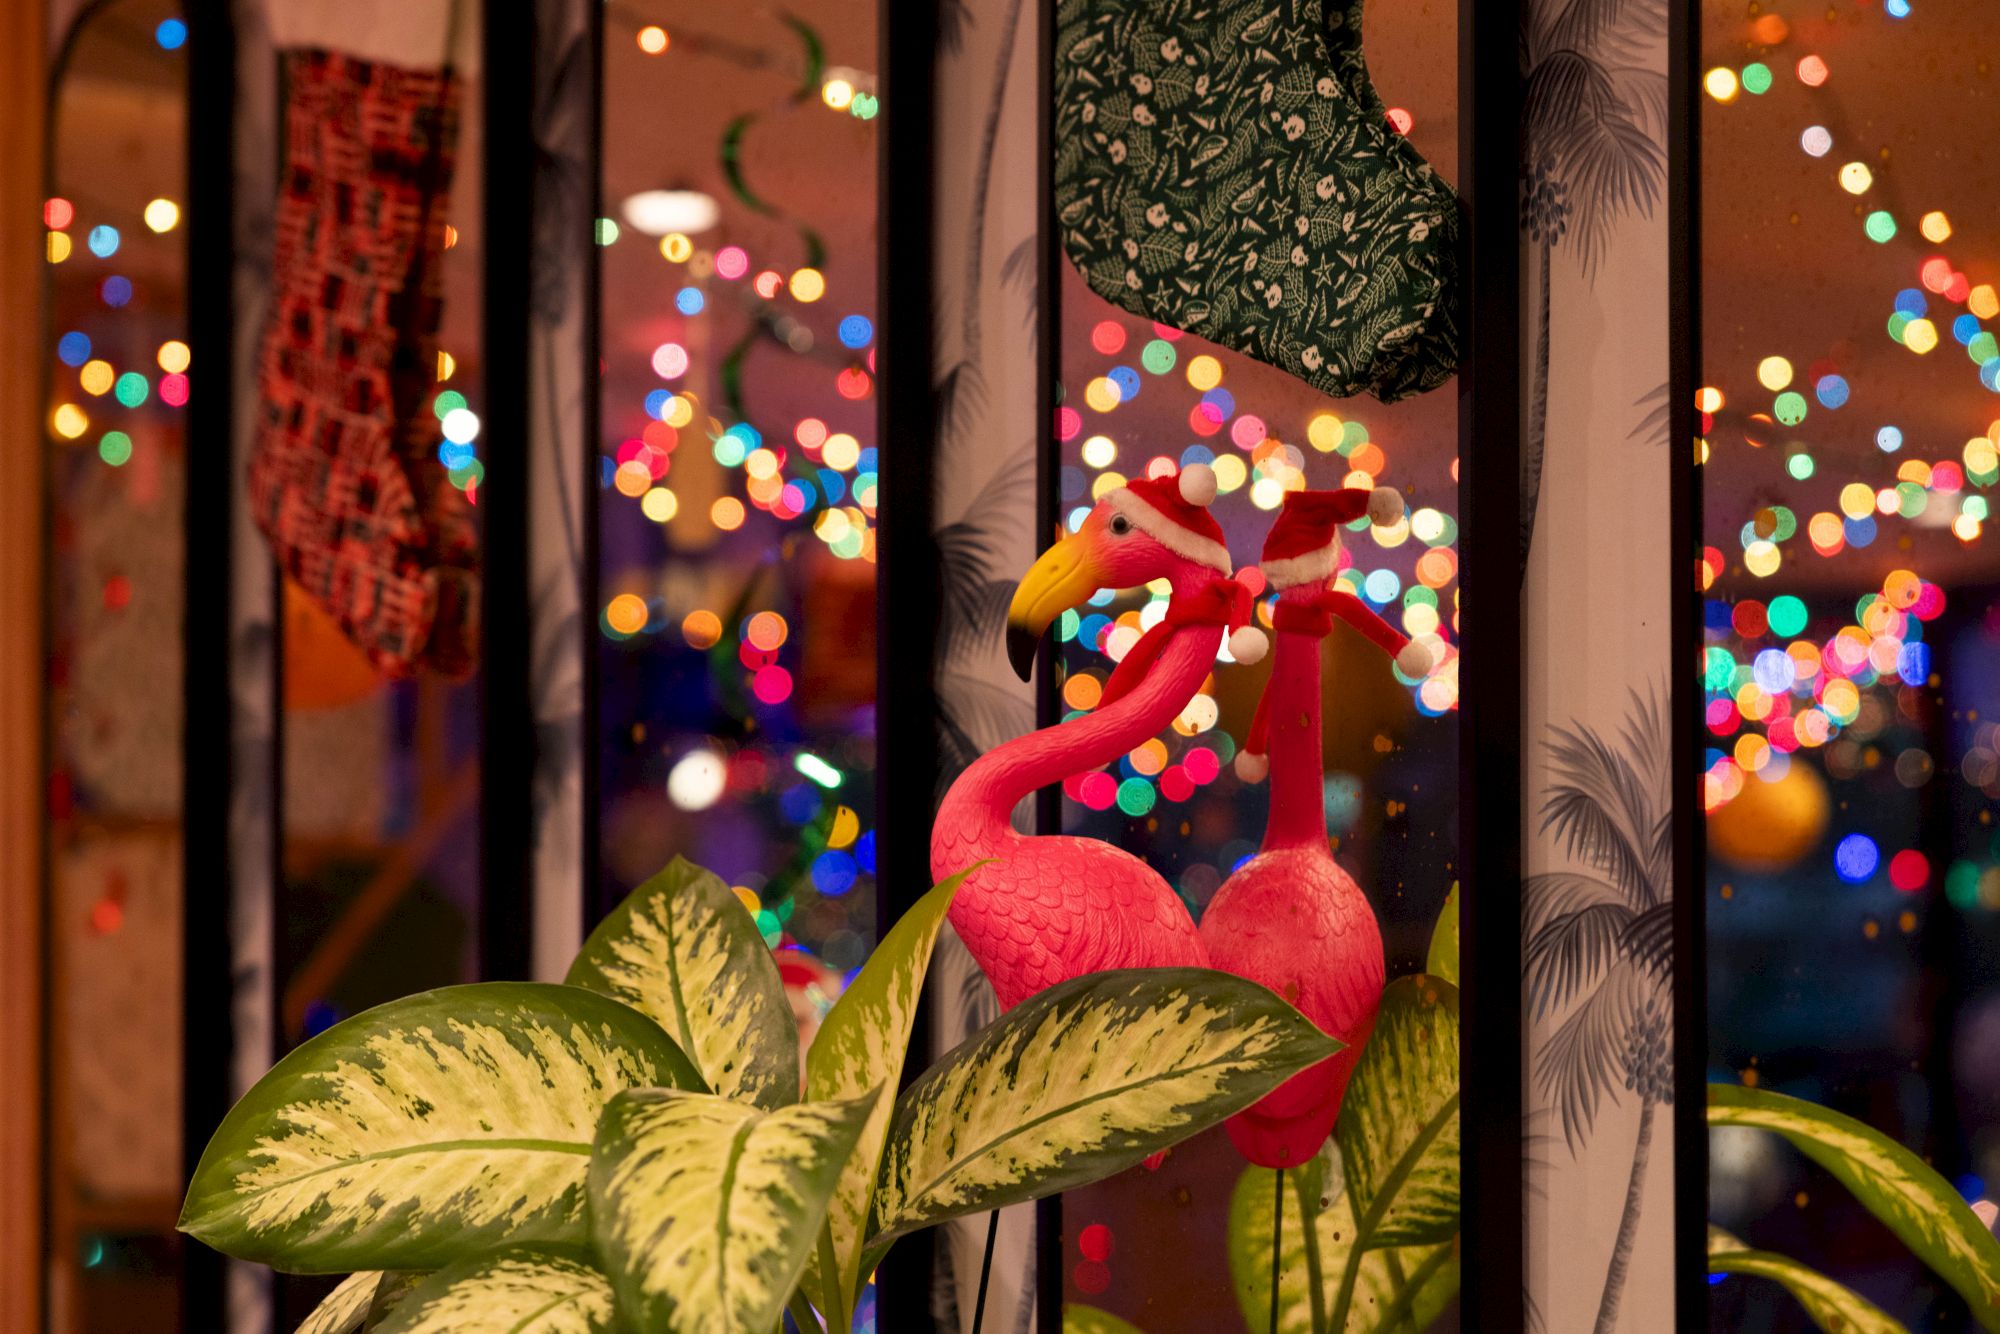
x=1595 y=152
x=1600 y=944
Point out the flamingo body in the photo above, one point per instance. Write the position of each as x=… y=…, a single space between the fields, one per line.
x=1293 y=920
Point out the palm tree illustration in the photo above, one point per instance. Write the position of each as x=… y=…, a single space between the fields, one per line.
x=1600 y=942
x=1594 y=138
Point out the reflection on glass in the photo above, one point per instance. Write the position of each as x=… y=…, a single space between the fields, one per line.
x=738 y=463
x=1848 y=386
x=1141 y=399
x=118 y=369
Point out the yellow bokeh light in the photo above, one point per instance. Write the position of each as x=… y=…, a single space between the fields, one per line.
x=447 y=366
x=1101 y=394
x=1981 y=456
x=174 y=356
x=1920 y=336
x=1267 y=493
x=632 y=479
x=761 y=463
x=726 y=514
x=1204 y=372
x=660 y=504
x=1104 y=484
x=1762 y=559
x=676 y=247
x=701 y=629
x=162 y=215
x=1774 y=373
x=653 y=39
x=842 y=451
x=1708 y=399
x=69 y=421
x=1230 y=473
x=1721 y=84
x=626 y=614
x=1323 y=432
x=1983 y=301
x=846 y=828
x=1099 y=451
x=680 y=411
x=1857 y=500
x=837 y=93
x=1935 y=226
x=96 y=377
x=59 y=247
x=1855 y=178
x=807 y=285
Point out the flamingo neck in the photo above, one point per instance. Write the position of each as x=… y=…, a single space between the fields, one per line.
x=1298 y=802
x=1094 y=740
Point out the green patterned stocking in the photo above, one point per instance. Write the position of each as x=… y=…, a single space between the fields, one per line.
x=1224 y=167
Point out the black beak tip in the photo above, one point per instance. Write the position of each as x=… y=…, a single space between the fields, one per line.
x=1021 y=645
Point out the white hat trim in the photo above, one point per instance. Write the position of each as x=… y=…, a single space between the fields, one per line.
x=1313 y=567
x=1175 y=538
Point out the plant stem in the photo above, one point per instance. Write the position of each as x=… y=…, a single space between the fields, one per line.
x=1315 y=1275
x=1628 y=1225
x=1277 y=1243
x=985 y=1270
x=802 y=1312
x=834 y=1300
x=1403 y=1307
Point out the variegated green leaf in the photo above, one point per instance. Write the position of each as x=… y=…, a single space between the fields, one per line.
x=1834 y=1307
x=860 y=1047
x=396 y=1284
x=684 y=950
x=1081 y=1081
x=1387 y=1285
x=1091 y=1320
x=1442 y=961
x=1895 y=1185
x=513 y=1290
x=704 y=1209
x=1398 y=1128
x=343 y=1309
x=425 y=1130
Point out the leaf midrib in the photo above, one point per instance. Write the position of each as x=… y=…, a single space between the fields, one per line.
x=541 y=1311
x=525 y=1145
x=1023 y=1127
x=677 y=991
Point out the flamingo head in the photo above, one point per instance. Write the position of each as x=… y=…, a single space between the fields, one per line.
x=1154 y=528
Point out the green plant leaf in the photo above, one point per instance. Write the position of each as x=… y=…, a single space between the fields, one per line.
x=1421 y=1280
x=1090 y=1320
x=705 y=1209
x=396 y=1284
x=1443 y=958
x=514 y=1290
x=1895 y=1185
x=1398 y=1129
x=861 y=1046
x=343 y=1309
x=1080 y=1081
x=684 y=951
x=425 y=1130
x=1834 y=1307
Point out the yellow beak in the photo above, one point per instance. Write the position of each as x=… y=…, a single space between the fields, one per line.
x=1062 y=578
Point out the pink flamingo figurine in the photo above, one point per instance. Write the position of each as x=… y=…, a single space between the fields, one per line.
x=1053 y=907
x=1290 y=917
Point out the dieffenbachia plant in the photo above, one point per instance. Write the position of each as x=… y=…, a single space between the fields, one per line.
x=635 y=1149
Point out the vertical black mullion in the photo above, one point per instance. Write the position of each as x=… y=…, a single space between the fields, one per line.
x=506 y=807
x=1690 y=871
x=586 y=475
x=907 y=582
x=212 y=491
x=1048 y=511
x=1489 y=434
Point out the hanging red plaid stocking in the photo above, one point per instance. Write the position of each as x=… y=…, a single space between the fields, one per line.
x=345 y=480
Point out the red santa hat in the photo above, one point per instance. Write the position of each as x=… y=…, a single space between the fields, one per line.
x=1303 y=546
x=1173 y=511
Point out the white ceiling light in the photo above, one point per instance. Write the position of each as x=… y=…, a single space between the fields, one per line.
x=657 y=212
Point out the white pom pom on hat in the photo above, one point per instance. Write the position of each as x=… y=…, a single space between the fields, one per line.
x=1248 y=644
x=1197 y=483
x=1414 y=660
x=1385 y=505
x=1252 y=768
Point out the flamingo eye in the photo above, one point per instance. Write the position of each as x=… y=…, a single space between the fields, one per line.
x=1120 y=525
